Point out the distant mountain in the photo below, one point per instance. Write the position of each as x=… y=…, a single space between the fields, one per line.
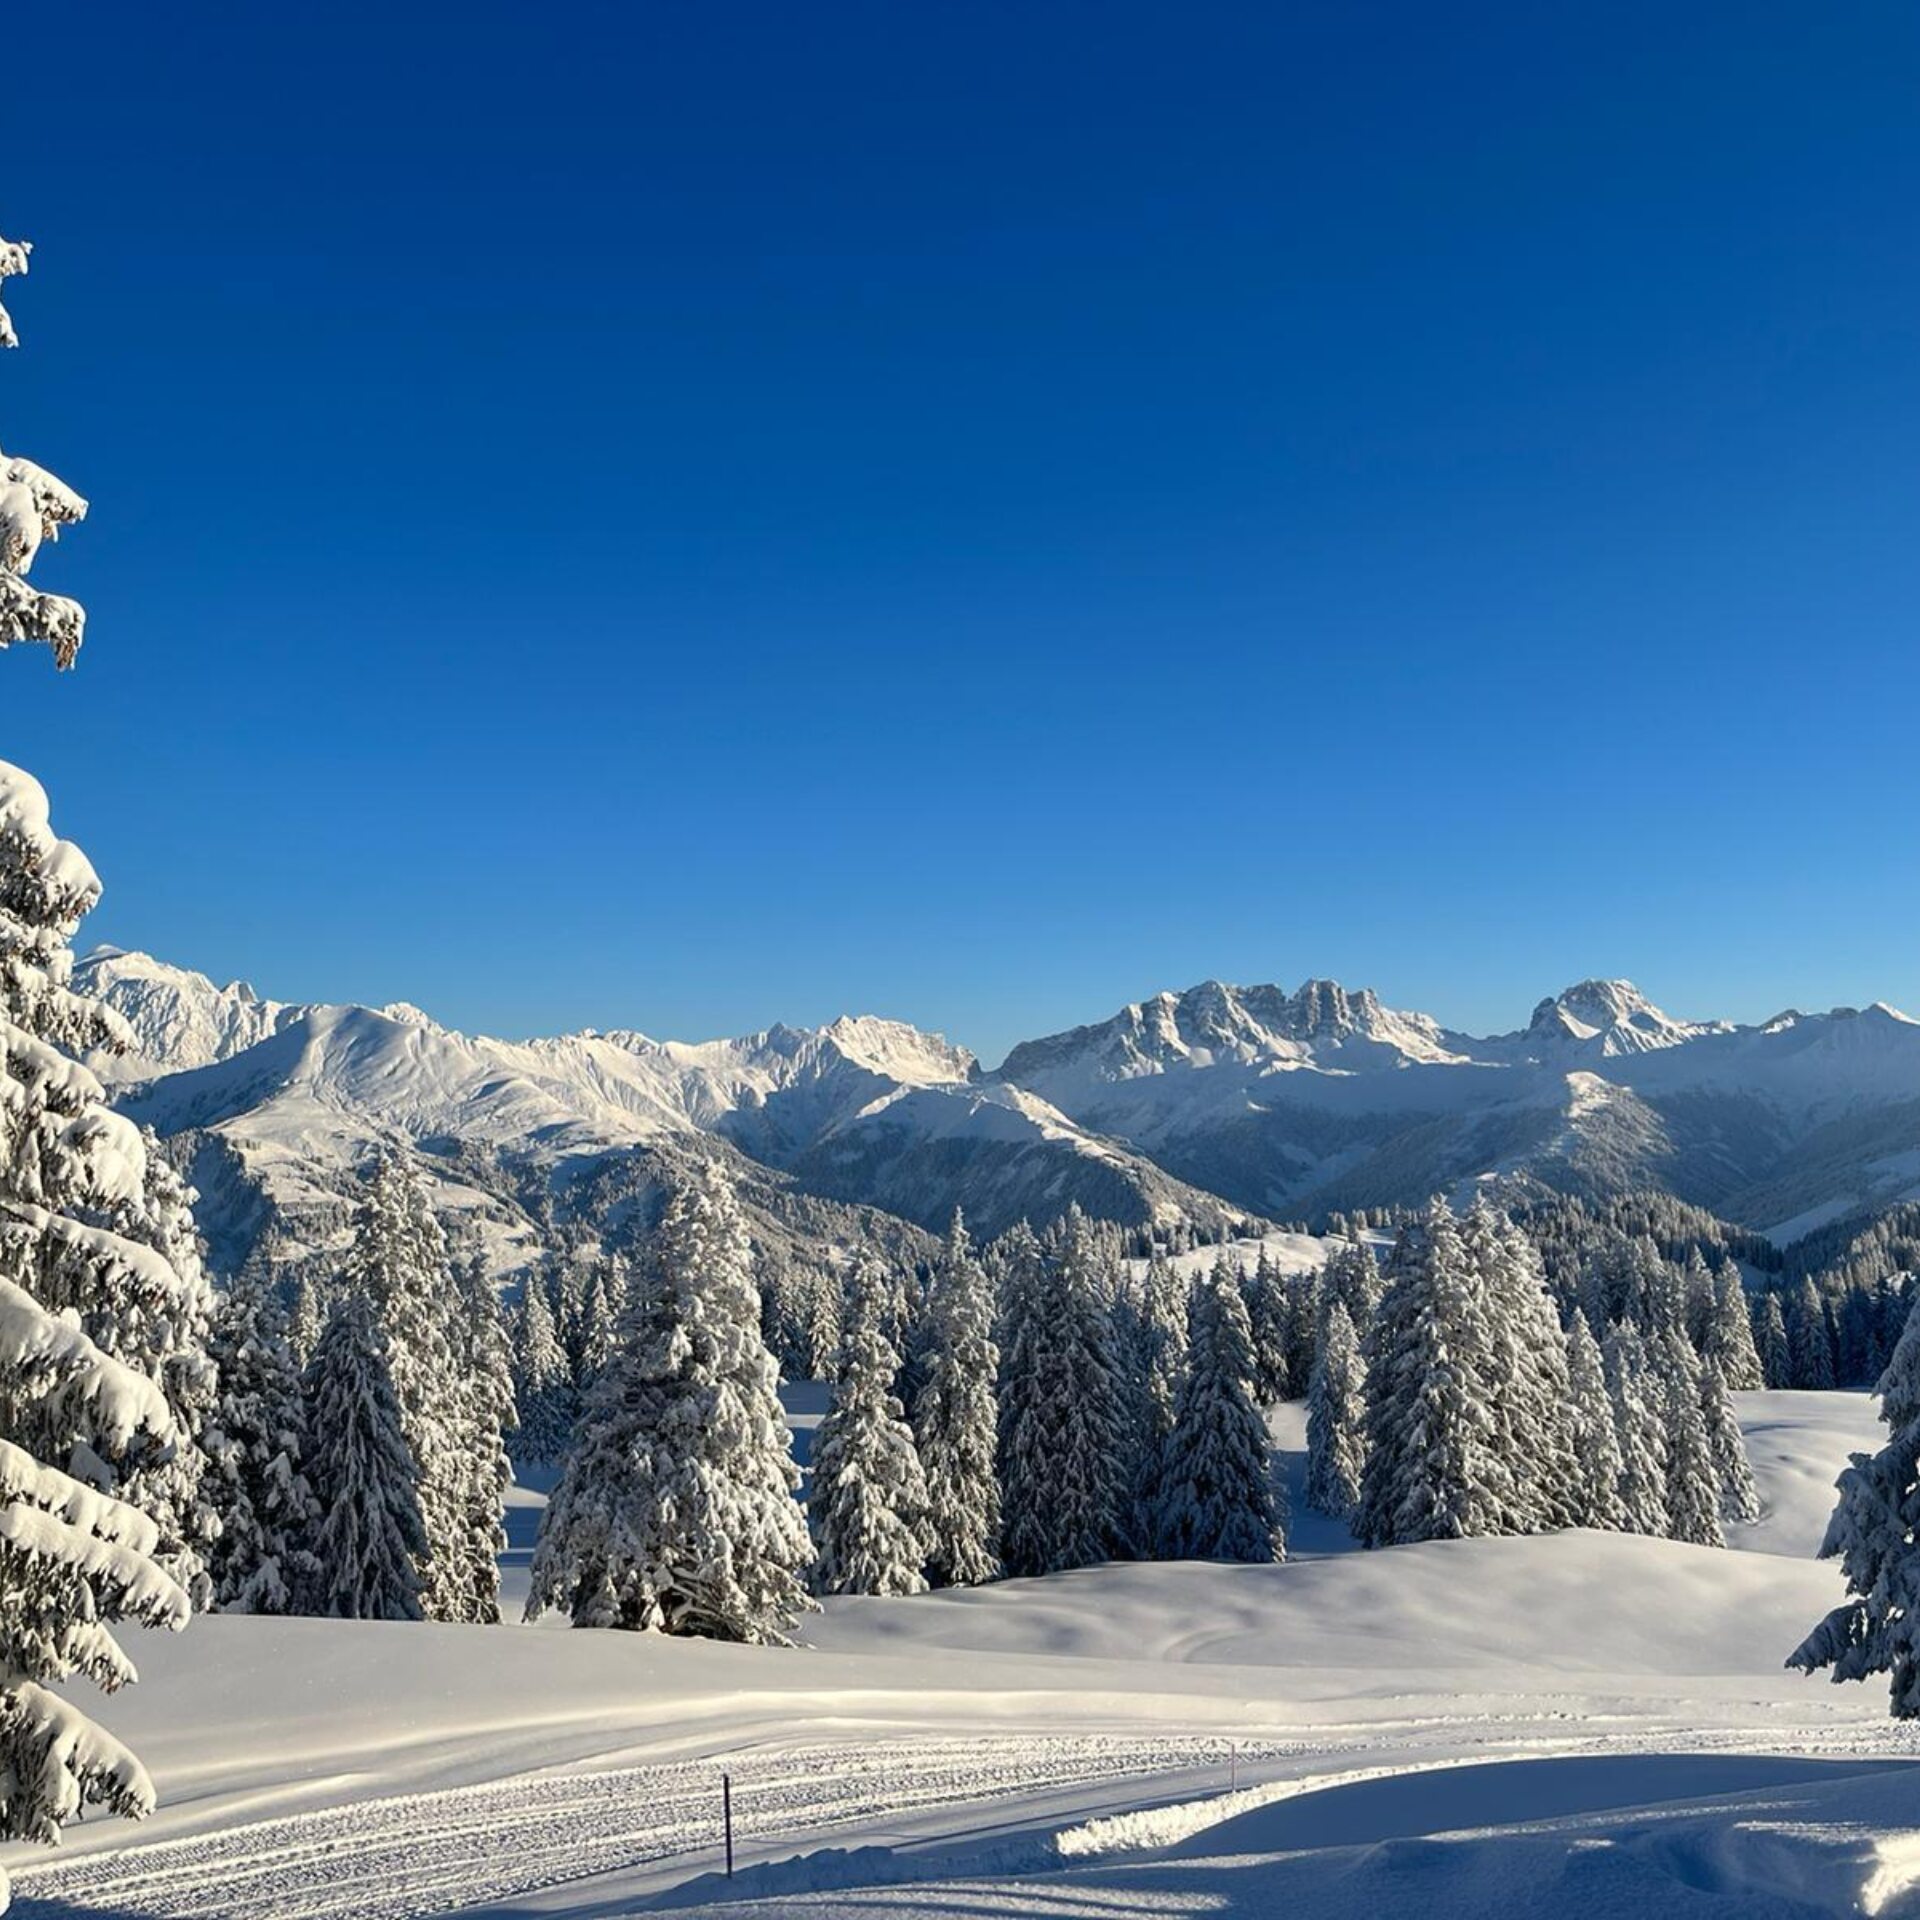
x=1218 y=1104
x=1296 y=1103
x=283 y=1102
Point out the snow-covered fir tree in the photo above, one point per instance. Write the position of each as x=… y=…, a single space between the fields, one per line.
x=1728 y=1340
x=868 y=1500
x=1302 y=1293
x=1264 y=1290
x=1809 y=1343
x=676 y=1512
x=1526 y=1374
x=399 y=1261
x=1435 y=1469
x=1336 y=1417
x=168 y=1342
x=1596 y=1442
x=956 y=1416
x=1739 y=1496
x=1693 y=1474
x=1875 y=1534
x=484 y=1416
x=75 y=1558
x=543 y=1378
x=1352 y=1276
x=1065 y=1469
x=371 y=1541
x=1160 y=1365
x=306 y=1320
x=609 y=1285
x=263 y=1559
x=1219 y=1499
x=73 y=1178
x=1770 y=1341
x=1639 y=1421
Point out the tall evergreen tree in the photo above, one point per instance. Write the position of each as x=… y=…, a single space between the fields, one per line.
x=868 y=1500
x=1526 y=1378
x=262 y=1560
x=1435 y=1468
x=168 y=1342
x=1336 y=1417
x=1808 y=1341
x=956 y=1417
x=543 y=1378
x=676 y=1511
x=1264 y=1291
x=1693 y=1474
x=1770 y=1340
x=1220 y=1500
x=1875 y=1534
x=1064 y=1470
x=76 y=1558
x=1739 y=1496
x=399 y=1261
x=1729 y=1335
x=484 y=1415
x=1596 y=1442
x=1639 y=1420
x=371 y=1540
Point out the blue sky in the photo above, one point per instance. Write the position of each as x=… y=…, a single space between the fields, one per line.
x=694 y=516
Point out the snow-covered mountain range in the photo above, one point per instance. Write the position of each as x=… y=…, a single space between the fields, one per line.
x=1214 y=1103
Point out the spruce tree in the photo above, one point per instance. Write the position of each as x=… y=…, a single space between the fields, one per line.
x=371 y=1540
x=1770 y=1340
x=1336 y=1418
x=168 y=1342
x=543 y=1379
x=676 y=1511
x=262 y=1560
x=399 y=1261
x=1065 y=1475
x=1596 y=1442
x=1219 y=1498
x=1526 y=1377
x=1693 y=1475
x=1739 y=1496
x=1729 y=1344
x=956 y=1417
x=868 y=1501
x=1875 y=1534
x=81 y=1244
x=1640 y=1422
x=484 y=1415
x=1265 y=1294
x=1808 y=1341
x=1161 y=1369
x=307 y=1320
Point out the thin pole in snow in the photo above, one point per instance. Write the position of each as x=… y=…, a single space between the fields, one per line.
x=726 y=1814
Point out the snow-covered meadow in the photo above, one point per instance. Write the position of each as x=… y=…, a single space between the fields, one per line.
x=1130 y=1739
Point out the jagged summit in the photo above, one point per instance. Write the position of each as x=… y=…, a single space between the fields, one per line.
x=1610 y=1016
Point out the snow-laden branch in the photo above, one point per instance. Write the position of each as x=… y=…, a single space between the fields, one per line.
x=13 y=260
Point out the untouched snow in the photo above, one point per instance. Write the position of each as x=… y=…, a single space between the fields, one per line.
x=311 y=1768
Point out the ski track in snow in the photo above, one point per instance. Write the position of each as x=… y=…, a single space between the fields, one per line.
x=410 y=1856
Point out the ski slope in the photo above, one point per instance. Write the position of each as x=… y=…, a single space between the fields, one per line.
x=1017 y=1736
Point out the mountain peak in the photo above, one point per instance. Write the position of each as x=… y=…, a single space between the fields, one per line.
x=1612 y=1015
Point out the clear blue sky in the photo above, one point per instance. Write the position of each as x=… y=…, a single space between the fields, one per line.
x=688 y=516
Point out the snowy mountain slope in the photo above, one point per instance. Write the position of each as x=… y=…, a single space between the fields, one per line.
x=1295 y=1103
x=283 y=1102
x=1218 y=1101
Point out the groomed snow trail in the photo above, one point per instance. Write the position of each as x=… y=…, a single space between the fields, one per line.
x=411 y=1856
x=414 y=1855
